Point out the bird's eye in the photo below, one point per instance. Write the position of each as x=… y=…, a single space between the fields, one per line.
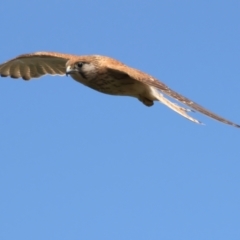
x=80 y=64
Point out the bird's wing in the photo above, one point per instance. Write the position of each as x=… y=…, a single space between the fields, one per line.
x=35 y=65
x=166 y=90
x=151 y=81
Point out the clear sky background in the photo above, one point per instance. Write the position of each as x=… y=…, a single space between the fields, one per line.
x=77 y=164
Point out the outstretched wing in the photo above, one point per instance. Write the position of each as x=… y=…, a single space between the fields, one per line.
x=35 y=65
x=137 y=75
x=166 y=90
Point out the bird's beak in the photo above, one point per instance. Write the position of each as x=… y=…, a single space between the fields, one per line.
x=69 y=70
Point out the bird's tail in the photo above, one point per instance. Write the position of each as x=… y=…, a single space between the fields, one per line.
x=180 y=110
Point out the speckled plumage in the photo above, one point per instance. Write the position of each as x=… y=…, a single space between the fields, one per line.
x=105 y=75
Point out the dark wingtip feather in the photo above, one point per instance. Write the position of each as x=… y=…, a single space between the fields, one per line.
x=4 y=75
x=13 y=76
x=26 y=78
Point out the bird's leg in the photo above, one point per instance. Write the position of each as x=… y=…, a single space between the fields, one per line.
x=146 y=101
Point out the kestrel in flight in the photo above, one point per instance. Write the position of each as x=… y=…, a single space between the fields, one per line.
x=105 y=75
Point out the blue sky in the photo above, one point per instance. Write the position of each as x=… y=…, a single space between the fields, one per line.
x=77 y=164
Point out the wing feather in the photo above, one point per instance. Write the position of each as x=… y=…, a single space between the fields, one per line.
x=14 y=70
x=40 y=70
x=4 y=70
x=35 y=65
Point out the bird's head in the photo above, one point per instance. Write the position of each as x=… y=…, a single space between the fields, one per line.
x=83 y=67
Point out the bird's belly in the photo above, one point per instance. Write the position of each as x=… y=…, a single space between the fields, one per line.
x=116 y=86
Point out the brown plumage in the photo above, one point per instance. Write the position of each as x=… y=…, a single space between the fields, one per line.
x=105 y=75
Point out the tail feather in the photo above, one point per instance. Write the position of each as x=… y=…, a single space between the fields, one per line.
x=180 y=110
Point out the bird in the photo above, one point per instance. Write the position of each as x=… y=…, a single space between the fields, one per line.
x=106 y=75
